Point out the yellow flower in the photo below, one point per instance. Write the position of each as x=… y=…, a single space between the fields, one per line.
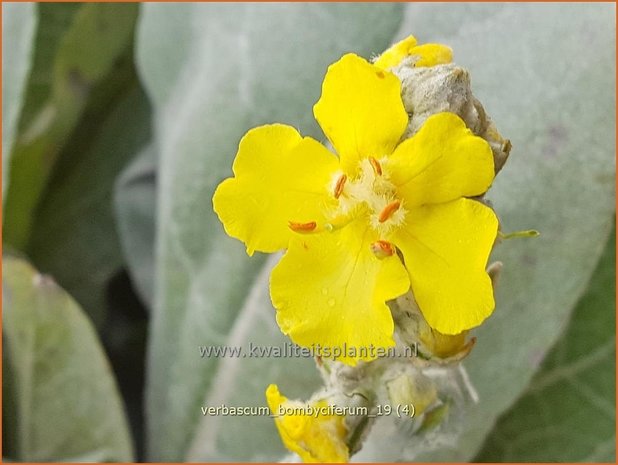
x=310 y=430
x=344 y=219
x=421 y=55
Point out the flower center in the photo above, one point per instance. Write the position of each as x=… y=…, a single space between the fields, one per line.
x=372 y=194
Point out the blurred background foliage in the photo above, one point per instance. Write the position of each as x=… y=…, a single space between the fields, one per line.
x=120 y=119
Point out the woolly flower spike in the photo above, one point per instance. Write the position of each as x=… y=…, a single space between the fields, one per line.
x=346 y=221
x=310 y=430
x=421 y=55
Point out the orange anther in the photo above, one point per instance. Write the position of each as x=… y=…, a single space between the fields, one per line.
x=382 y=249
x=375 y=164
x=388 y=211
x=302 y=227
x=340 y=185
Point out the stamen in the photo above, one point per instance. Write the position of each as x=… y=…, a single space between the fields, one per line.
x=340 y=185
x=388 y=211
x=302 y=227
x=382 y=249
x=375 y=164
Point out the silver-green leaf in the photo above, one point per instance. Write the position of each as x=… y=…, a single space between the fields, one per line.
x=228 y=68
x=568 y=413
x=545 y=73
x=59 y=396
x=557 y=111
x=135 y=203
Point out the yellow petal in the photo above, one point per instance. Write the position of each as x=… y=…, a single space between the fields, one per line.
x=395 y=53
x=360 y=110
x=443 y=161
x=330 y=290
x=445 y=345
x=315 y=438
x=280 y=177
x=445 y=248
x=431 y=55
x=424 y=55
